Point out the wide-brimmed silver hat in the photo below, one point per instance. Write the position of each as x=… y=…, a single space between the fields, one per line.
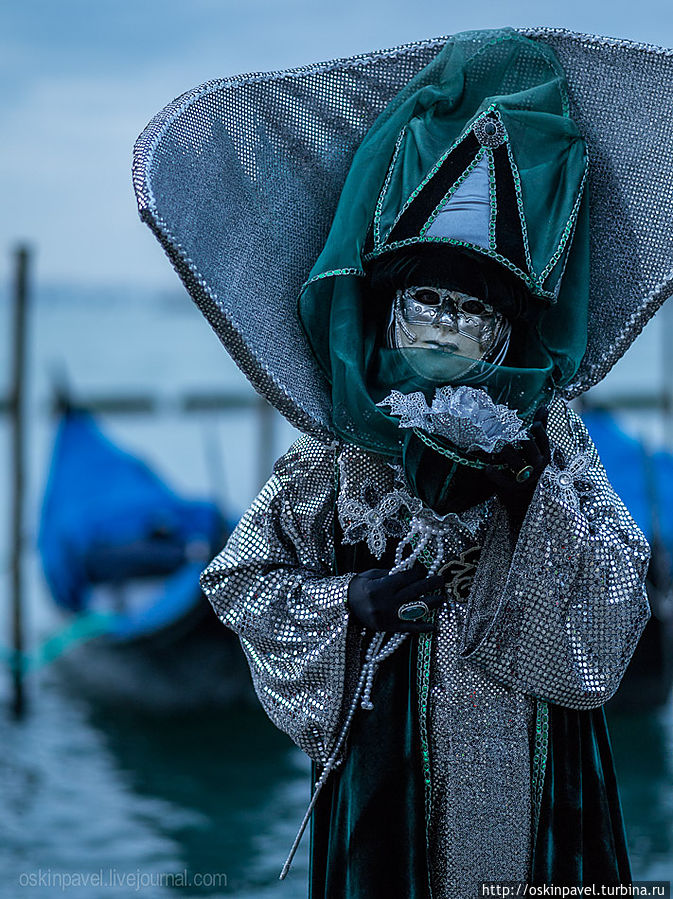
x=239 y=179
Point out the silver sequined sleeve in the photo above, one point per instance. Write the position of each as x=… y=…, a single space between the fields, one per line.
x=273 y=584
x=557 y=611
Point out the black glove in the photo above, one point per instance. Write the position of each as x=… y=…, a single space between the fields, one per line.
x=516 y=496
x=374 y=596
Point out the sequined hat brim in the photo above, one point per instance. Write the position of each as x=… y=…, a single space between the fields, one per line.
x=239 y=179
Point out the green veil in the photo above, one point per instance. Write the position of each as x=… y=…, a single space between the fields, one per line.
x=500 y=104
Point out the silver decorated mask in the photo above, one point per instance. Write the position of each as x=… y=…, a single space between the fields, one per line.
x=439 y=318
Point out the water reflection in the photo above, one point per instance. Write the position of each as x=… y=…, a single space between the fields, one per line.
x=643 y=751
x=240 y=782
x=86 y=786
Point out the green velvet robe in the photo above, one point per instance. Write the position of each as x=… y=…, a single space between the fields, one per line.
x=368 y=831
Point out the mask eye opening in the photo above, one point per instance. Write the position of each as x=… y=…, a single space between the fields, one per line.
x=428 y=296
x=474 y=306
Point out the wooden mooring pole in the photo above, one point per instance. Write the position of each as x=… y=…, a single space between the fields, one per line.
x=17 y=412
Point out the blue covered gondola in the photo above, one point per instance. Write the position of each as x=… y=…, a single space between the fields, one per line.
x=108 y=519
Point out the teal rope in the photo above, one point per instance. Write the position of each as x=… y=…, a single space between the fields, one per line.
x=82 y=628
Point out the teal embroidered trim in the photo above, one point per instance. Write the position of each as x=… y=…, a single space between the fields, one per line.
x=436 y=167
x=533 y=284
x=540 y=756
x=384 y=190
x=519 y=203
x=451 y=191
x=334 y=273
x=531 y=279
x=455 y=457
x=557 y=287
x=569 y=228
x=423 y=687
x=492 y=198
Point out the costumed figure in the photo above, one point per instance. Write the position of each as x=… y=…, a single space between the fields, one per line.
x=437 y=589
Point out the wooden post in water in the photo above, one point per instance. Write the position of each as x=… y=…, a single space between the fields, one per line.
x=17 y=411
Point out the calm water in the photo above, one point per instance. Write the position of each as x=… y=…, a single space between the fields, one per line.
x=86 y=786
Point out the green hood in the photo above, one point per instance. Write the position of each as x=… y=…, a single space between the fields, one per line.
x=502 y=108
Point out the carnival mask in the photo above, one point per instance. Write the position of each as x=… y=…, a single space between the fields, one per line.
x=439 y=318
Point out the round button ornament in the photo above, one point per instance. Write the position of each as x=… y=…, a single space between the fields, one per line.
x=489 y=131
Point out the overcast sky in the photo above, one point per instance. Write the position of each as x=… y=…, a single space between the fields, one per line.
x=81 y=80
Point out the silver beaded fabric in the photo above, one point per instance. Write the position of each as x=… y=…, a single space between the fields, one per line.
x=553 y=614
x=481 y=806
x=239 y=179
x=274 y=585
x=569 y=603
